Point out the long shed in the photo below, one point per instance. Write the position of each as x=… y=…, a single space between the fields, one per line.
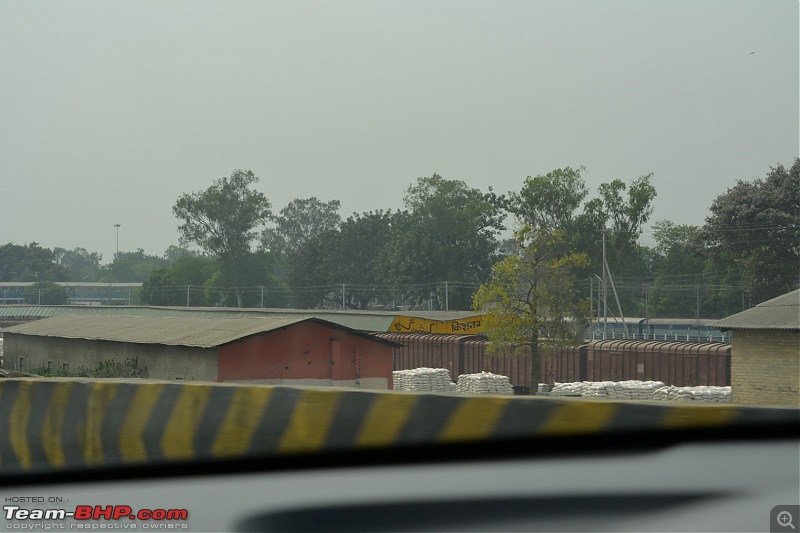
x=271 y=350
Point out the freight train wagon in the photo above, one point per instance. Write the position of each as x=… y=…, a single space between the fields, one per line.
x=674 y=363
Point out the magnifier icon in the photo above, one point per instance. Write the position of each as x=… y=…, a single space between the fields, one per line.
x=785 y=519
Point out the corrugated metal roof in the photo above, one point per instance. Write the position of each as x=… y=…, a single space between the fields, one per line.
x=360 y=320
x=782 y=312
x=194 y=332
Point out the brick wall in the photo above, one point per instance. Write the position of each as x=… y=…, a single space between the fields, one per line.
x=765 y=367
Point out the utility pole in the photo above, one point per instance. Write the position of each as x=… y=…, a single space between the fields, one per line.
x=605 y=288
x=591 y=304
x=117 y=226
x=446 y=297
x=188 y=289
x=343 y=305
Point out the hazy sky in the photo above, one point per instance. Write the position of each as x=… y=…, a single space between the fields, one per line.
x=110 y=110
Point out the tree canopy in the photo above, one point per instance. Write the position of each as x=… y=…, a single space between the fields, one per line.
x=755 y=227
x=224 y=220
x=30 y=262
x=531 y=299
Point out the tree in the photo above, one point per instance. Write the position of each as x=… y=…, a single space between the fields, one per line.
x=224 y=220
x=358 y=246
x=299 y=221
x=131 y=267
x=173 y=253
x=83 y=266
x=550 y=200
x=678 y=265
x=531 y=299
x=181 y=283
x=260 y=288
x=347 y=258
x=30 y=263
x=754 y=228
x=46 y=293
x=447 y=233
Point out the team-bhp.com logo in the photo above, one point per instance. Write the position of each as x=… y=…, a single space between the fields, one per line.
x=96 y=512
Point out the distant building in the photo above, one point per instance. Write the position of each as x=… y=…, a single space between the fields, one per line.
x=270 y=350
x=765 y=352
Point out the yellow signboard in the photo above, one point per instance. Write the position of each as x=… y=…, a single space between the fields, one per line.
x=470 y=325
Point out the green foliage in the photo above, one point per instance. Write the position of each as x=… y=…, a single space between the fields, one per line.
x=83 y=266
x=754 y=228
x=110 y=368
x=677 y=263
x=168 y=286
x=301 y=220
x=173 y=253
x=131 y=267
x=531 y=298
x=113 y=368
x=224 y=220
x=30 y=263
x=550 y=200
x=46 y=293
x=447 y=233
x=260 y=286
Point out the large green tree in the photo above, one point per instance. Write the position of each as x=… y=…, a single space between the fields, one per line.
x=553 y=201
x=679 y=272
x=532 y=300
x=550 y=200
x=181 y=283
x=83 y=266
x=755 y=228
x=30 y=262
x=447 y=233
x=131 y=267
x=224 y=220
x=299 y=221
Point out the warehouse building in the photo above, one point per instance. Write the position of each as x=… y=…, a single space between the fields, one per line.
x=307 y=351
x=765 y=352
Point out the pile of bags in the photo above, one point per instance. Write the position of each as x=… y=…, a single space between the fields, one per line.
x=578 y=387
x=484 y=383
x=624 y=390
x=614 y=390
x=423 y=380
x=695 y=394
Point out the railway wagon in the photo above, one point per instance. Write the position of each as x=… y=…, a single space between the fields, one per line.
x=467 y=354
x=674 y=363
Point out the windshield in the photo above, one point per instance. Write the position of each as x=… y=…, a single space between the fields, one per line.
x=268 y=228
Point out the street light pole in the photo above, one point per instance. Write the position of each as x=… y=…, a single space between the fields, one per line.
x=117 y=226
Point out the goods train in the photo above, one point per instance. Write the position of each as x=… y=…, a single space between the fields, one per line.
x=675 y=363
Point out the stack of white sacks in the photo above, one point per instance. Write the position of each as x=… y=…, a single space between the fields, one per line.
x=643 y=390
x=423 y=380
x=615 y=390
x=577 y=387
x=484 y=383
x=696 y=394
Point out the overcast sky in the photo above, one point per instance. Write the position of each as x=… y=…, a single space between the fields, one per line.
x=110 y=110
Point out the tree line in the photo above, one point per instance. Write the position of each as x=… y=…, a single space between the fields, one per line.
x=445 y=243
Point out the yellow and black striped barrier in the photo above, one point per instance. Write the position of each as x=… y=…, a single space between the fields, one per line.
x=63 y=423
